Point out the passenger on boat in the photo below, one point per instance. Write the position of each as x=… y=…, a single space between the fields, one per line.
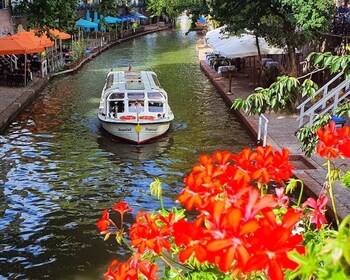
x=139 y=107
x=132 y=107
x=136 y=107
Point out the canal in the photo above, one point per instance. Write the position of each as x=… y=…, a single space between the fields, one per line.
x=59 y=170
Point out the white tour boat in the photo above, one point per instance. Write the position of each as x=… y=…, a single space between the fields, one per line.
x=134 y=106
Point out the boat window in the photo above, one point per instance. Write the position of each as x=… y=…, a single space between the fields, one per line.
x=155 y=107
x=136 y=95
x=109 y=81
x=136 y=106
x=155 y=79
x=117 y=95
x=134 y=85
x=115 y=107
x=154 y=95
x=120 y=106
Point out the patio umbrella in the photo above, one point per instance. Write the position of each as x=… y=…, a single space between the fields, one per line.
x=112 y=20
x=96 y=20
x=85 y=23
x=18 y=45
x=60 y=34
x=31 y=36
x=215 y=35
x=245 y=46
x=139 y=16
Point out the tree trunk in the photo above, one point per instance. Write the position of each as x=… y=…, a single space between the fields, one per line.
x=293 y=63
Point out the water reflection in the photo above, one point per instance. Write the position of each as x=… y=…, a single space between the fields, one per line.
x=130 y=152
x=59 y=171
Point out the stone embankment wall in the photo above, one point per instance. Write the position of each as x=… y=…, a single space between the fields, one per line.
x=6 y=24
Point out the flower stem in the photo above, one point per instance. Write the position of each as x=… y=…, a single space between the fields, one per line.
x=301 y=192
x=330 y=189
x=174 y=268
x=128 y=245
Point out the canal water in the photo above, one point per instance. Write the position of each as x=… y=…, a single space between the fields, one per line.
x=59 y=170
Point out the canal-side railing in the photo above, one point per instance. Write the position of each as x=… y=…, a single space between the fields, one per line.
x=262 y=129
x=328 y=102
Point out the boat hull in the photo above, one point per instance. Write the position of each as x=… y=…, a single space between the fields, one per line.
x=136 y=132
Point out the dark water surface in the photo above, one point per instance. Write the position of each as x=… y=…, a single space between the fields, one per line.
x=59 y=170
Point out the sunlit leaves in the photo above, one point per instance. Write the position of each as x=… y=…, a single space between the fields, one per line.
x=281 y=96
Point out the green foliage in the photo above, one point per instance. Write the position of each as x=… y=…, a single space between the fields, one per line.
x=175 y=7
x=78 y=49
x=333 y=62
x=281 y=96
x=328 y=254
x=307 y=135
x=346 y=179
x=284 y=23
x=343 y=109
x=107 y=7
x=43 y=14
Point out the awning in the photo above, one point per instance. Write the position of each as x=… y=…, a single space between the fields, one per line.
x=85 y=23
x=112 y=20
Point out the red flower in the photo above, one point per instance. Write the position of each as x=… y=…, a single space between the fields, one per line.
x=148 y=270
x=271 y=244
x=121 y=271
x=122 y=207
x=150 y=232
x=104 y=222
x=319 y=206
x=203 y=182
x=333 y=142
x=191 y=237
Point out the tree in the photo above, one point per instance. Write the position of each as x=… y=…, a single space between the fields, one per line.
x=44 y=14
x=287 y=24
x=174 y=7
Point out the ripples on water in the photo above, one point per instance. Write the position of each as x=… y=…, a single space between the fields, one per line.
x=59 y=170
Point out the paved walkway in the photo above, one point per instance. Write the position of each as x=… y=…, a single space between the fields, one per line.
x=281 y=131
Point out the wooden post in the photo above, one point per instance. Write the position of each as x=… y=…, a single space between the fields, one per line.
x=229 y=81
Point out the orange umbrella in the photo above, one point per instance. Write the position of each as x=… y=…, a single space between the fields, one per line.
x=42 y=40
x=60 y=34
x=17 y=45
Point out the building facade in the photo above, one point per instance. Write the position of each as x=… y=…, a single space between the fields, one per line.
x=6 y=24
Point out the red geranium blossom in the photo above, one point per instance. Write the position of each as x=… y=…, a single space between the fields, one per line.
x=333 y=142
x=150 y=232
x=122 y=207
x=269 y=250
x=104 y=222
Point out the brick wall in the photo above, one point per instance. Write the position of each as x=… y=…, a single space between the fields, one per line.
x=6 y=24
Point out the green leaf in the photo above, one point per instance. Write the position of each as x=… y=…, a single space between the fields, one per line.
x=318 y=58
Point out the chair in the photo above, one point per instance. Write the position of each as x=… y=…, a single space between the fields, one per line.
x=10 y=79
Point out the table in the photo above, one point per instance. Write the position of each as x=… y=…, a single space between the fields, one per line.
x=226 y=69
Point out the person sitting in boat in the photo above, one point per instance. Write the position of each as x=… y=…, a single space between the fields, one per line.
x=136 y=107
x=139 y=107
x=132 y=107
